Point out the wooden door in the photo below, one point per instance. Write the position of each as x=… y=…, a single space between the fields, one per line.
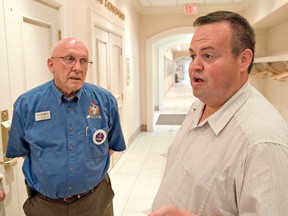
x=109 y=68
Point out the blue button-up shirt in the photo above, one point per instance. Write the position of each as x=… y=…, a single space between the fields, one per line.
x=65 y=142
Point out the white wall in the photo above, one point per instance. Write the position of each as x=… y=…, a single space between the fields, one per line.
x=133 y=81
x=271 y=41
x=277 y=43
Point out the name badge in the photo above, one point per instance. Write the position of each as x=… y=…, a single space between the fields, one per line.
x=40 y=116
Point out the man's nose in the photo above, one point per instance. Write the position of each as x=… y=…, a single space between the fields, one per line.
x=196 y=64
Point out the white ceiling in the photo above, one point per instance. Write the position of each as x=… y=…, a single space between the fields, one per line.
x=177 y=6
x=157 y=3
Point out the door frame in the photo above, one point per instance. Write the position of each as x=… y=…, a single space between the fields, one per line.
x=153 y=51
x=101 y=19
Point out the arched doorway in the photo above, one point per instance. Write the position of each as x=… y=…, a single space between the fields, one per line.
x=155 y=47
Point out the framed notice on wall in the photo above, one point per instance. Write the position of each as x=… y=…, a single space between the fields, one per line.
x=168 y=66
x=128 y=70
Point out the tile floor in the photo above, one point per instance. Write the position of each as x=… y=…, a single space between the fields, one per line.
x=137 y=175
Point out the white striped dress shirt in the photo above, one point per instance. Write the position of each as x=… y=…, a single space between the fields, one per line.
x=233 y=163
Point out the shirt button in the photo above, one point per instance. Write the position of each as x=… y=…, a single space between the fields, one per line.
x=70 y=188
x=71 y=168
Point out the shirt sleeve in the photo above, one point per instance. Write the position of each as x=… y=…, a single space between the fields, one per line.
x=17 y=146
x=115 y=137
x=265 y=186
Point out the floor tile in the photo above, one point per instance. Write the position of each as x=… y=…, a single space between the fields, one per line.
x=137 y=175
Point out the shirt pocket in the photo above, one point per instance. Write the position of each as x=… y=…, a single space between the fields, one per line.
x=97 y=143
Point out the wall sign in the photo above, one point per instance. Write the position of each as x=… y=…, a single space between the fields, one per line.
x=112 y=8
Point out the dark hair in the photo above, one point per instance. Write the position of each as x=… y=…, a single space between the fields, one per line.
x=243 y=35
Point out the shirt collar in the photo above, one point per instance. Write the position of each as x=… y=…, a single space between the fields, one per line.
x=219 y=119
x=60 y=96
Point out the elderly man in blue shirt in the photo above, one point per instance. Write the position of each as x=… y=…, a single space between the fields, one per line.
x=66 y=129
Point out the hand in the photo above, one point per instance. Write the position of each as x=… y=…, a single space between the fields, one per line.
x=111 y=151
x=171 y=210
x=2 y=195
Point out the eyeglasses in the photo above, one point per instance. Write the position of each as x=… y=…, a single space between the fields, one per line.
x=71 y=60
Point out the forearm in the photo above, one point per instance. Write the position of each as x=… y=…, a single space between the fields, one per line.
x=111 y=151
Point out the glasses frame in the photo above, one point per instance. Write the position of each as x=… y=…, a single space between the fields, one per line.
x=76 y=59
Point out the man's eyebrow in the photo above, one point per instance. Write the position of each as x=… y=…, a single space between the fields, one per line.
x=203 y=49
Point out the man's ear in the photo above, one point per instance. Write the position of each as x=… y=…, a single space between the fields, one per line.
x=50 y=65
x=245 y=59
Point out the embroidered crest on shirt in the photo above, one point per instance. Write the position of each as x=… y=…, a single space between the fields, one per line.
x=94 y=111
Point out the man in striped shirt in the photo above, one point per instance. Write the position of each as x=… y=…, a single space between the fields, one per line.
x=230 y=156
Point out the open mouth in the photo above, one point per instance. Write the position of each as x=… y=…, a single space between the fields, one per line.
x=75 y=78
x=197 y=79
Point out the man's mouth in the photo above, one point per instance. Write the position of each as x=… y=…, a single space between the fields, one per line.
x=197 y=79
x=74 y=78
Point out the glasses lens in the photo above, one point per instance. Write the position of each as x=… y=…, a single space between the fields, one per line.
x=70 y=60
x=84 y=62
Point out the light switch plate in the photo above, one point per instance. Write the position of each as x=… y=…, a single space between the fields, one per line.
x=4 y=115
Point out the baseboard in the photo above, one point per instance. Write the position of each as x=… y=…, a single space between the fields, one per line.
x=134 y=136
x=144 y=127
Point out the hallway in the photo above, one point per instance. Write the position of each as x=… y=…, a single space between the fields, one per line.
x=136 y=177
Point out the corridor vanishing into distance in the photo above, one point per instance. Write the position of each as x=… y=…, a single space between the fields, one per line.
x=136 y=176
